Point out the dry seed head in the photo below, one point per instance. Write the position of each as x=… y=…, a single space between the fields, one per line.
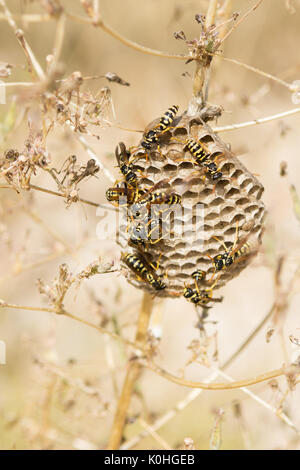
x=233 y=200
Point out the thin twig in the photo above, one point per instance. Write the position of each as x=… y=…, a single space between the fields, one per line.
x=202 y=69
x=40 y=73
x=148 y=50
x=217 y=386
x=135 y=346
x=265 y=404
x=242 y=19
x=72 y=382
x=59 y=39
x=257 y=121
x=132 y=374
x=226 y=12
x=211 y=13
x=154 y=434
x=55 y=193
x=290 y=86
x=192 y=395
x=18 y=84
x=29 y=18
x=32 y=61
x=138 y=47
x=18 y=269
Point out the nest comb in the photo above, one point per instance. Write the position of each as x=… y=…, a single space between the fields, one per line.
x=233 y=201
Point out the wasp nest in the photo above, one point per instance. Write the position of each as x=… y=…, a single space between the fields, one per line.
x=214 y=217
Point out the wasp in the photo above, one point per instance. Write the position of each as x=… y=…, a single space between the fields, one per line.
x=139 y=235
x=198 y=275
x=126 y=169
x=134 y=262
x=145 y=270
x=225 y=260
x=152 y=136
x=123 y=196
x=155 y=201
x=164 y=198
x=146 y=233
x=167 y=119
x=203 y=158
x=117 y=194
x=155 y=282
x=243 y=250
x=202 y=298
x=230 y=256
x=197 y=151
x=149 y=199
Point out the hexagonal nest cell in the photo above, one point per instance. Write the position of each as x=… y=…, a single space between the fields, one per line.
x=213 y=215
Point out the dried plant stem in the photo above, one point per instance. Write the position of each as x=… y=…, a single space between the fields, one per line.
x=290 y=86
x=139 y=47
x=40 y=73
x=226 y=12
x=132 y=374
x=101 y=330
x=29 y=18
x=211 y=13
x=265 y=404
x=72 y=382
x=146 y=50
x=143 y=49
x=201 y=75
x=55 y=193
x=192 y=395
x=220 y=386
x=154 y=434
x=17 y=270
x=59 y=39
x=19 y=84
x=242 y=19
x=32 y=61
x=257 y=121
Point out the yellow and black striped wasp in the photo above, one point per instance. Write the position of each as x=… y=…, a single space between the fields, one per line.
x=236 y=253
x=230 y=256
x=201 y=297
x=149 y=216
x=127 y=195
x=143 y=269
x=156 y=203
x=203 y=158
x=145 y=233
x=123 y=196
x=152 y=136
x=198 y=276
x=123 y=157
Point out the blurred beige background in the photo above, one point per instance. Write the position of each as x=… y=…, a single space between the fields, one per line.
x=39 y=409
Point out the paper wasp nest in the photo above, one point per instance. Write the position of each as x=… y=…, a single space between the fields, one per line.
x=233 y=199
